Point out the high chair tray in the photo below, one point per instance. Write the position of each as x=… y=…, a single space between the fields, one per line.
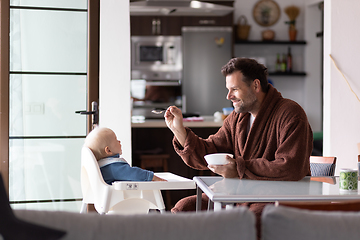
x=174 y=182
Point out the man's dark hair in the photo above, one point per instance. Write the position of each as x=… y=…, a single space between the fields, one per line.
x=250 y=69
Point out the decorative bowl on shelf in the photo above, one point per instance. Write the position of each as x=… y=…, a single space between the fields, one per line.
x=268 y=35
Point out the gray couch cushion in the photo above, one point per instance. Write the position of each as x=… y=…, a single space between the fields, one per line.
x=297 y=224
x=230 y=224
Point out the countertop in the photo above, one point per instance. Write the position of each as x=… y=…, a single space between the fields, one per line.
x=202 y=122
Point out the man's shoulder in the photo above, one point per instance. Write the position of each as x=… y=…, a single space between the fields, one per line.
x=289 y=105
x=289 y=109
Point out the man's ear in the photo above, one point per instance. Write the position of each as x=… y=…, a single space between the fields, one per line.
x=257 y=85
x=107 y=150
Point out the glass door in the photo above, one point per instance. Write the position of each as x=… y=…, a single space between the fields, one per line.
x=48 y=82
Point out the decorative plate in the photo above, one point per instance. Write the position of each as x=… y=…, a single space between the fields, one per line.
x=266 y=12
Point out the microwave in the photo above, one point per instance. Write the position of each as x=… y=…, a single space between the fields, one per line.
x=156 y=57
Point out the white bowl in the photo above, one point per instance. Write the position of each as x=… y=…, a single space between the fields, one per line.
x=217 y=158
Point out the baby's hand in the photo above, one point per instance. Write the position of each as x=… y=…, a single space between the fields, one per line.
x=155 y=178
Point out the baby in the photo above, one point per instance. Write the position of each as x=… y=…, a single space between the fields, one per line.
x=107 y=150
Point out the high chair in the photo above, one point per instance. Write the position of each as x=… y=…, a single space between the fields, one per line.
x=129 y=198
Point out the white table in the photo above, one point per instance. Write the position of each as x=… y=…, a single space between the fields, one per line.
x=227 y=191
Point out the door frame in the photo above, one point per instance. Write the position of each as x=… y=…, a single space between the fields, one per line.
x=92 y=75
x=4 y=90
x=93 y=56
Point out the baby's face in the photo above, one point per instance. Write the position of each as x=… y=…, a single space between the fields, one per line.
x=115 y=144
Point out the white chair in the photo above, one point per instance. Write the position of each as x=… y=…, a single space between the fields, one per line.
x=129 y=199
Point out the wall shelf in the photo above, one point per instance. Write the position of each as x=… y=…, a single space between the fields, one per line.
x=287 y=74
x=271 y=42
x=249 y=46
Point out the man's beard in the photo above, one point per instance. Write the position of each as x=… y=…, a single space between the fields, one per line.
x=247 y=105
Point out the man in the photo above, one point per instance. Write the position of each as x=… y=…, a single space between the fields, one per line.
x=269 y=136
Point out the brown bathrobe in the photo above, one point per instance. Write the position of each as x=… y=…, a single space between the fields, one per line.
x=277 y=147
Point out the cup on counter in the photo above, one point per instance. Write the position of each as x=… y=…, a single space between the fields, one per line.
x=348 y=180
x=227 y=111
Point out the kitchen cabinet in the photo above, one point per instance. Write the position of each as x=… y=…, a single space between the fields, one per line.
x=171 y=25
x=155 y=25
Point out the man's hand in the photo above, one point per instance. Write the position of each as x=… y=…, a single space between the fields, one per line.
x=227 y=171
x=174 y=121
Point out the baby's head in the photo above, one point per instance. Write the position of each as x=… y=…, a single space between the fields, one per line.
x=103 y=143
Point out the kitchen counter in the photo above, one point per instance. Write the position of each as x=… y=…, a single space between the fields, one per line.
x=203 y=122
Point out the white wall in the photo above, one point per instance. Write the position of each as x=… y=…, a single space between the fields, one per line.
x=245 y=7
x=341 y=108
x=313 y=65
x=114 y=86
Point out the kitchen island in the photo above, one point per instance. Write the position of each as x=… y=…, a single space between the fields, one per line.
x=202 y=122
x=152 y=136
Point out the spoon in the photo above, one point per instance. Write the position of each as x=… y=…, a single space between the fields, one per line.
x=158 y=110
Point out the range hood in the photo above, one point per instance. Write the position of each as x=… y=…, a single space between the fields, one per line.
x=177 y=8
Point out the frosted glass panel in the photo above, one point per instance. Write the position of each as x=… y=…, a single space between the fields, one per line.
x=48 y=41
x=53 y=206
x=45 y=105
x=45 y=169
x=81 y=4
x=46 y=135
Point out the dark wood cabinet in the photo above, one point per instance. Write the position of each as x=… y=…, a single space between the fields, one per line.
x=171 y=25
x=155 y=25
x=159 y=141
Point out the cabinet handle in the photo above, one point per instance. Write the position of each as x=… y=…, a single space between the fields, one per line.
x=158 y=27
x=207 y=22
x=153 y=31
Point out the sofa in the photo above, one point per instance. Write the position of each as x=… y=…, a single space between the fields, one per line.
x=283 y=223
x=236 y=224
x=278 y=223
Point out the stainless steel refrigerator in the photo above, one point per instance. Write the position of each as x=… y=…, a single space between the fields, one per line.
x=206 y=50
